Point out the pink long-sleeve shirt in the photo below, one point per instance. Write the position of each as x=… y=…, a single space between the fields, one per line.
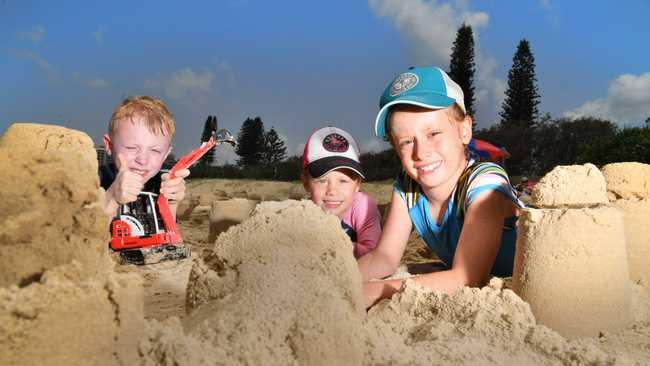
x=363 y=216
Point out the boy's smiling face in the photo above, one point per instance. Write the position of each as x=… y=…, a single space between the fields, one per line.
x=143 y=151
x=430 y=145
x=334 y=191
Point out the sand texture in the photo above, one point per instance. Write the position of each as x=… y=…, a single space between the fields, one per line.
x=586 y=269
x=572 y=185
x=281 y=287
x=60 y=301
x=628 y=180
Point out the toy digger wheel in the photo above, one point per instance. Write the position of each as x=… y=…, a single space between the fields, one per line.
x=155 y=254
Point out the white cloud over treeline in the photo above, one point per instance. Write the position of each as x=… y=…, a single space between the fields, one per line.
x=627 y=101
x=429 y=30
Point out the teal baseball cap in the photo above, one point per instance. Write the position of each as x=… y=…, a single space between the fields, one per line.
x=427 y=87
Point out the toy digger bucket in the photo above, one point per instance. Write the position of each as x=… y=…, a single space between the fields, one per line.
x=224 y=136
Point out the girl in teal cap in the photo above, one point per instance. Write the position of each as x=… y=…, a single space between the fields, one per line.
x=466 y=212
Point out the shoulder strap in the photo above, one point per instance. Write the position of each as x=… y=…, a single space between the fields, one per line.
x=410 y=188
x=468 y=175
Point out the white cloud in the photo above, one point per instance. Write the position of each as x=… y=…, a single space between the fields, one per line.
x=429 y=28
x=627 y=101
x=50 y=71
x=90 y=82
x=35 y=34
x=99 y=34
x=183 y=84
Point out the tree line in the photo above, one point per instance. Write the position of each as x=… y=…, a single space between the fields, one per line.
x=536 y=144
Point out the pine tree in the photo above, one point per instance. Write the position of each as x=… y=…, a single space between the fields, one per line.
x=250 y=142
x=274 y=149
x=209 y=126
x=522 y=97
x=461 y=65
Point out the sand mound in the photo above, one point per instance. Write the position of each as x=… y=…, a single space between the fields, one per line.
x=224 y=214
x=574 y=185
x=281 y=288
x=48 y=208
x=60 y=303
x=628 y=180
x=629 y=187
x=571 y=262
x=487 y=326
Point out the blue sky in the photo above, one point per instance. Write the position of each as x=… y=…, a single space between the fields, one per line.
x=301 y=65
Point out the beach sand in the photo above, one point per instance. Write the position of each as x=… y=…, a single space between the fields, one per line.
x=281 y=287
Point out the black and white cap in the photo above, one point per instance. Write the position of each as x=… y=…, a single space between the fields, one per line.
x=331 y=148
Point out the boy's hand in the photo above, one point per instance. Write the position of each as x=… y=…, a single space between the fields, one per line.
x=127 y=185
x=174 y=189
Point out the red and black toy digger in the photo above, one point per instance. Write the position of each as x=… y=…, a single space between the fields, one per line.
x=144 y=231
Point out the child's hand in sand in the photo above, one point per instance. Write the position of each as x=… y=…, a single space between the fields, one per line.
x=174 y=189
x=372 y=292
x=127 y=184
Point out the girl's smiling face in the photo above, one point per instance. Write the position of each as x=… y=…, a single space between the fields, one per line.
x=430 y=144
x=333 y=192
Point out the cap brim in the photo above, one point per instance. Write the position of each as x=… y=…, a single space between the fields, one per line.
x=323 y=166
x=424 y=100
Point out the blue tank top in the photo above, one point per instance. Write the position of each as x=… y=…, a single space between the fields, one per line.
x=442 y=239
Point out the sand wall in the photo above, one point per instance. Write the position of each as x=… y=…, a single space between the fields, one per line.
x=576 y=280
x=60 y=302
x=280 y=288
x=571 y=259
x=628 y=185
x=224 y=214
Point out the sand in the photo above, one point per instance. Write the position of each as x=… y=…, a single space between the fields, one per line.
x=281 y=287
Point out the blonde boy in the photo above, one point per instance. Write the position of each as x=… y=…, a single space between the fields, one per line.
x=139 y=139
x=464 y=211
x=332 y=174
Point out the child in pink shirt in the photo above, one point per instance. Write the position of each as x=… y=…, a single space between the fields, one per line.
x=332 y=175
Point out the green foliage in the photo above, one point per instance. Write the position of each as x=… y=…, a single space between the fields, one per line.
x=286 y=170
x=274 y=149
x=381 y=165
x=629 y=144
x=250 y=142
x=520 y=104
x=535 y=151
x=461 y=65
x=565 y=142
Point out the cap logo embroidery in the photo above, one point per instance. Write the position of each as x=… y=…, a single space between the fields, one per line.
x=335 y=143
x=403 y=83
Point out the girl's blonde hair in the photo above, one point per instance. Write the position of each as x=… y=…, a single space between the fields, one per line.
x=157 y=118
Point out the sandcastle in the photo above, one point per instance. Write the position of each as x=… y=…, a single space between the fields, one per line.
x=60 y=301
x=571 y=263
x=628 y=185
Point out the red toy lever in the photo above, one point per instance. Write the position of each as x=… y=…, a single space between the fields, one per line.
x=183 y=163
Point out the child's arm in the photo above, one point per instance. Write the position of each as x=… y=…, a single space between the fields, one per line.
x=370 y=229
x=475 y=254
x=383 y=261
x=174 y=189
x=124 y=189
